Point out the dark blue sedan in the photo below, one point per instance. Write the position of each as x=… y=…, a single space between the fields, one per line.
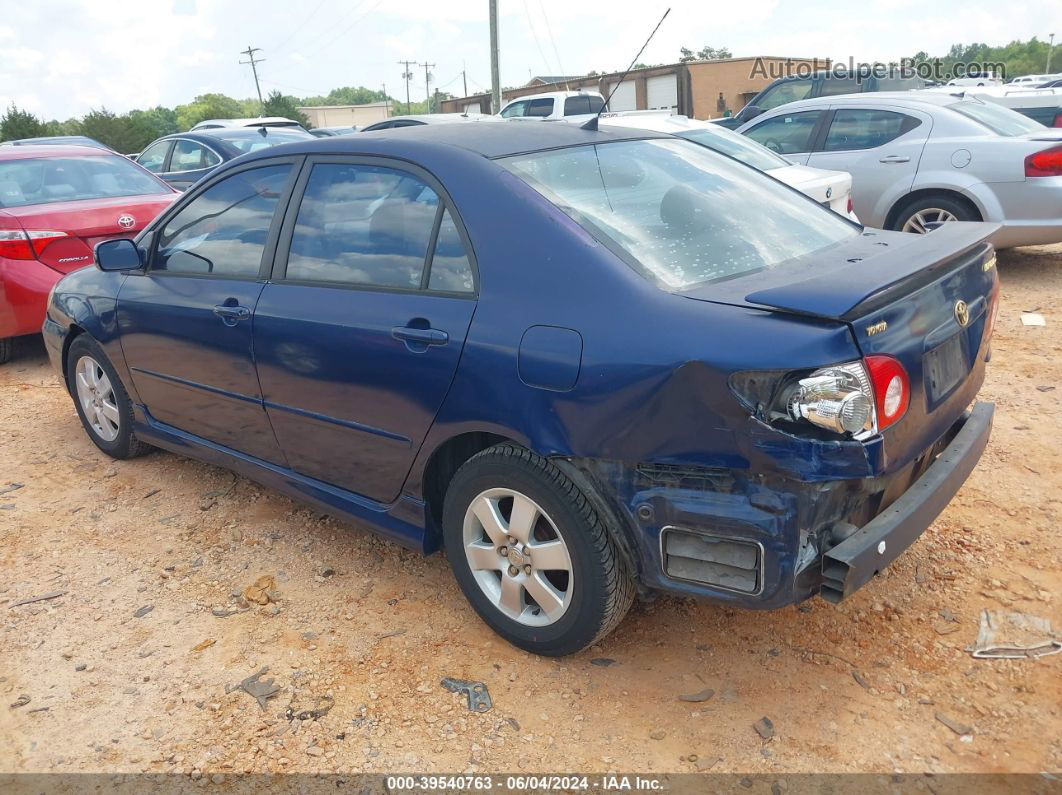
x=182 y=159
x=586 y=364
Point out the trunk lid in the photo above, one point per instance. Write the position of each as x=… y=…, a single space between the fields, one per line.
x=829 y=188
x=925 y=300
x=86 y=223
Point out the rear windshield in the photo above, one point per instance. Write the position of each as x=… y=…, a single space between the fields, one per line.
x=737 y=146
x=680 y=213
x=44 y=180
x=1000 y=120
x=252 y=143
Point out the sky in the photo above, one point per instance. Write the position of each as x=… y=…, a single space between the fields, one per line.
x=61 y=58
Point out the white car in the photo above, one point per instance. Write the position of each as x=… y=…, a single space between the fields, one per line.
x=920 y=158
x=555 y=106
x=832 y=189
x=261 y=121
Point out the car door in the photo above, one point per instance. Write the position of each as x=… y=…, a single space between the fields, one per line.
x=880 y=148
x=358 y=336
x=189 y=162
x=185 y=322
x=789 y=134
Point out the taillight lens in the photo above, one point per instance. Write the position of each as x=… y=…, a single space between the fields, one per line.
x=892 y=389
x=16 y=244
x=1058 y=121
x=1047 y=163
x=849 y=202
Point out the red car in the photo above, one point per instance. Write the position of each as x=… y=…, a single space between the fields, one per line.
x=56 y=203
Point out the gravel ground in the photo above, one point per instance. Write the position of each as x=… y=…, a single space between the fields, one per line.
x=132 y=668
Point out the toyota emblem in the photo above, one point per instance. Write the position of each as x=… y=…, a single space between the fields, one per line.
x=962 y=313
x=126 y=221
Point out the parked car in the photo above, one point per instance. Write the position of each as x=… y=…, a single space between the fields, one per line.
x=328 y=132
x=183 y=159
x=261 y=121
x=554 y=105
x=1050 y=84
x=418 y=120
x=442 y=348
x=1039 y=104
x=922 y=158
x=56 y=202
x=825 y=83
x=831 y=189
x=1030 y=80
x=58 y=140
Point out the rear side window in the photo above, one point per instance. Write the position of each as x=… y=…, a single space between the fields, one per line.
x=540 y=107
x=866 y=129
x=223 y=230
x=787 y=134
x=835 y=86
x=450 y=269
x=575 y=106
x=365 y=225
x=780 y=94
x=44 y=180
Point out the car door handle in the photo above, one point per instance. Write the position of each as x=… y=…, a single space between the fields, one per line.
x=420 y=336
x=895 y=159
x=231 y=315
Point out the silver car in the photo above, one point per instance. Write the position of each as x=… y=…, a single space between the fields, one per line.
x=920 y=159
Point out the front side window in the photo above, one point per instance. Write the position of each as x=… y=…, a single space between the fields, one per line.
x=680 y=213
x=514 y=110
x=360 y=224
x=44 y=180
x=223 y=231
x=866 y=129
x=154 y=157
x=789 y=91
x=787 y=134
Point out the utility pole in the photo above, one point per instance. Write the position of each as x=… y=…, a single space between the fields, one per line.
x=1050 y=47
x=427 y=80
x=249 y=52
x=464 y=79
x=495 y=81
x=387 y=100
x=407 y=76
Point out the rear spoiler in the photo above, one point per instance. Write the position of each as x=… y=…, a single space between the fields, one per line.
x=848 y=293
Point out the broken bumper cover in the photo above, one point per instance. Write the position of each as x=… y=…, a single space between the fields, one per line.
x=852 y=563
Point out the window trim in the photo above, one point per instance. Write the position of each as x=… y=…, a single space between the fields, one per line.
x=173 y=146
x=278 y=274
x=213 y=178
x=819 y=138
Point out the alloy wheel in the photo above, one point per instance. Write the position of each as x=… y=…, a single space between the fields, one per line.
x=96 y=394
x=919 y=221
x=518 y=557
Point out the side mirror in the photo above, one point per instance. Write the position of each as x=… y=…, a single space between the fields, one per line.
x=750 y=112
x=118 y=255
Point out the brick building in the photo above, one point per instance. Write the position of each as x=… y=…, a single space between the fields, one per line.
x=691 y=88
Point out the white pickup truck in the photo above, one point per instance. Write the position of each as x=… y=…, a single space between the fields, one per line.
x=555 y=106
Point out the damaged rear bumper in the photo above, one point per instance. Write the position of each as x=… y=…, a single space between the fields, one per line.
x=853 y=562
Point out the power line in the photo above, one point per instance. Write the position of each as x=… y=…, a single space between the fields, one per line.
x=542 y=55
x=299 y=27
x=549 y=29
x=249 y=52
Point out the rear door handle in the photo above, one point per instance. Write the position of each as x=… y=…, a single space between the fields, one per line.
x=231 y=315
x=895 y=159
x=415 y=337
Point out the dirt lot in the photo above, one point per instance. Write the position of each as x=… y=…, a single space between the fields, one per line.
x=130 y=669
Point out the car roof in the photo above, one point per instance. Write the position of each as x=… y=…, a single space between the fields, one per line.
x=249 y=122
x=51 y=150
x=660 y=121
x=431 y=118
x=912 y=98
x=487 y=140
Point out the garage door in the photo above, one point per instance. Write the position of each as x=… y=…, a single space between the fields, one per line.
x=661 y=92
x=624 y=98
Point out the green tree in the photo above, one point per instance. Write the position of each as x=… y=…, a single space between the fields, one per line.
x=705 y=54
x=278 y=104
x=346 y=95
x=126 y=134
x=1017 y=57
x=161 y=121
x=207 y=106
x=15 y=124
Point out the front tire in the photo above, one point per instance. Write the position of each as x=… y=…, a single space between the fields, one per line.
x=101 y=400
x=531 y=554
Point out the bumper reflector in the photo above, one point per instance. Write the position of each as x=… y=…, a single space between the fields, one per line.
x=711 y=560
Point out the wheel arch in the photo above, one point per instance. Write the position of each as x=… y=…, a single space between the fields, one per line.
x=72 y=333
x=923 y=193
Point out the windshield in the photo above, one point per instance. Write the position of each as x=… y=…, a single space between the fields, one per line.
x=252 y=143
x=44 y=180
x=737 y=146
x=1000 y=120
x=680 y=213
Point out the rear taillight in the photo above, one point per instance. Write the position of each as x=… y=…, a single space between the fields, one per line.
x=892 y=389
x=849 y=202
x=1047 y=163
x=1058 y=120
x=16 y=244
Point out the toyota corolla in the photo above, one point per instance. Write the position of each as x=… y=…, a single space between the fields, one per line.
x=586 y=364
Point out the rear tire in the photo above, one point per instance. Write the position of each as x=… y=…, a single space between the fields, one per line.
x=7 y=349
x=913 y=216
x=102 y=403
x=562 y=584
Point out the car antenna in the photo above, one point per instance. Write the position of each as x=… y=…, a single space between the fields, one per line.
x=592 y=124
